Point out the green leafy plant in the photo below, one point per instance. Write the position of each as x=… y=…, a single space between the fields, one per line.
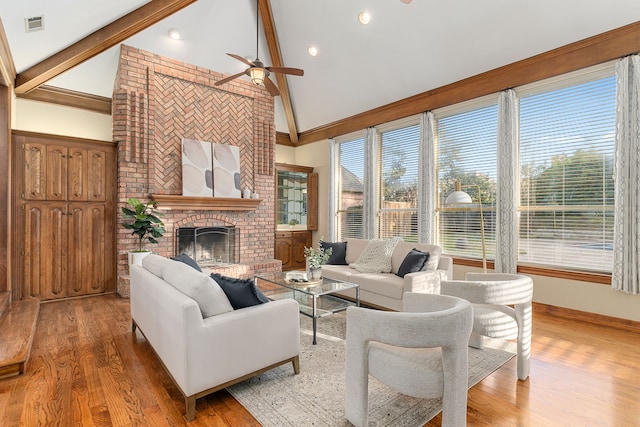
x=293 y=222
x=317 y=256
x=143 y=220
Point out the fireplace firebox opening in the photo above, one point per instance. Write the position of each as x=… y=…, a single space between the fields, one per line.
x=209 y=246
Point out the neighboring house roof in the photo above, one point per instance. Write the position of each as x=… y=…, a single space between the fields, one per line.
x=350 y=182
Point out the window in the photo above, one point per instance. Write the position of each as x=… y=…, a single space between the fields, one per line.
x=398 y=174
x=466 y=153
x=566 y=176
x=566 y=189
x=350 y=182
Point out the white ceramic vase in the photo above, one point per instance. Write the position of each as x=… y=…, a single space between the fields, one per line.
x=135 y=258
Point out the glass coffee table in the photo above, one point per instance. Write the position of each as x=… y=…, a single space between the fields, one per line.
x=315 y=298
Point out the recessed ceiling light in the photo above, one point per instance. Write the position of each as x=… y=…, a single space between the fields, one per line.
x=364 y=18
x=174 y=34
x=313 y=51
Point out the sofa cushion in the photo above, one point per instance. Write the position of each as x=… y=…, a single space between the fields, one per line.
x=338 y=272
x=198 y=286
x=385 y=284
x=241 y=292
x=354 y=249
x=187 y=260
x=338 y=252
x=155 y=264
x=376 y=256
x=413 y=262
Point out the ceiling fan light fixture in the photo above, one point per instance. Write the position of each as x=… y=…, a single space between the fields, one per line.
x=257 y=75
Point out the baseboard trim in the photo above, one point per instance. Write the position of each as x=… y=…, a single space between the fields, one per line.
x=583 y=316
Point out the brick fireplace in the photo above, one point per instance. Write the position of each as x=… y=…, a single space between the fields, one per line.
x=157 y=101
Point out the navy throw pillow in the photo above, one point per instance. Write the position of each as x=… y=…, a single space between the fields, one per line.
x=241 y=292
x=187 y=260
x=338 y=252
x=413 y=262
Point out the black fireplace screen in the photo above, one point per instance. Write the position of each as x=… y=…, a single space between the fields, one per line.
x=209 y=245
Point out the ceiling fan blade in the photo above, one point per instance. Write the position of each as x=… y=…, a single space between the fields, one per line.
x=286 y=70
x=273 y=90
x=241 y=59
x=228 y=79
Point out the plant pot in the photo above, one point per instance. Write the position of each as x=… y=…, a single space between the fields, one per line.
x=316 y=274
x=135 y=257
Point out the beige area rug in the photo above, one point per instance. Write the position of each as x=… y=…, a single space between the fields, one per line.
x=315 y=397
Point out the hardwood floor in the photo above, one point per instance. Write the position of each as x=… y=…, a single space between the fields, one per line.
x=86 y=369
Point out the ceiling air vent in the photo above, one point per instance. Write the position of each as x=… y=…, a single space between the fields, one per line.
x=35 y=23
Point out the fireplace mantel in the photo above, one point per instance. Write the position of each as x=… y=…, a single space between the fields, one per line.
x=188 y=203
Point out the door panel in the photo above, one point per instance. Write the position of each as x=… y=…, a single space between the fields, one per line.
x=35 y=171
x=87 y=249
x=77 y=170
x=45 y=251
x=56 y=172
x=97 y=176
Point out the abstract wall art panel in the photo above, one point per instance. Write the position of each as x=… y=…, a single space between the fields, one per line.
x=197 y=174
x=226 y=171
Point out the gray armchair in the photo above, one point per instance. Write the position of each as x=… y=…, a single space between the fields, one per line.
x=421 y=352
x=501 y=309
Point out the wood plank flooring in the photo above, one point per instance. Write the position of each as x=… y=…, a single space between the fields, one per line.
x=87 y=369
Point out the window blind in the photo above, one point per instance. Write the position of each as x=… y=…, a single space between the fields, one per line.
x=350 y=198
x=398 y=174
x=566 y=176
x=466 y=153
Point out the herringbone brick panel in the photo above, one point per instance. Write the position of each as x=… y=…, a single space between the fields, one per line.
x=187 y=110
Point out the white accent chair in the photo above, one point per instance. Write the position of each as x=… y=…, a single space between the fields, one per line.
x=421 y=352
x=492 y=296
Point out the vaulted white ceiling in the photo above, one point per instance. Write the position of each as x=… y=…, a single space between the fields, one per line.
x=406 y=49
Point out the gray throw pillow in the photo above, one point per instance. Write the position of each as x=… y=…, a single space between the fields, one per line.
x=413 y=262
x=187 y=260
x=241 y=292
x=338 y=252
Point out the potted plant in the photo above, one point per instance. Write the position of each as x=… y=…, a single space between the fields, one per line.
x=144 y=223
x=293 y=222
x=316 y=257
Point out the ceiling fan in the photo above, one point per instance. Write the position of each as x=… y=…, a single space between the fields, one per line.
x=258 y=73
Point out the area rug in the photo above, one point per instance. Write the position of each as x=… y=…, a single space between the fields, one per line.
x=315 y=397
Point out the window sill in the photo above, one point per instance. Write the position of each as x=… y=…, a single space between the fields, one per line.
x=604 y=279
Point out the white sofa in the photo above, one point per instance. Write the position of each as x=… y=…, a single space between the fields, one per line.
x=386 y=290
x=204 y=355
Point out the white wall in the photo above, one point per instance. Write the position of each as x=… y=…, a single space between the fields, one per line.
x=573 y=294
x=54 y=119
x=285 y=154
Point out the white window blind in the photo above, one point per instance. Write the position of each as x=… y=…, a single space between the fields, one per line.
x=398 y=174
x=350 y=197
x=466 y=153
x=566 y=176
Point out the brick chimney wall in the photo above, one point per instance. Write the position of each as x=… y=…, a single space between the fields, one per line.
x=157 y=101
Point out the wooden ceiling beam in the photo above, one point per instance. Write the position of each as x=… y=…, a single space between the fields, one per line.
x=264 y=8
x=7 y=67
x=97 y=42
x=69 y=98
x=284 y=139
